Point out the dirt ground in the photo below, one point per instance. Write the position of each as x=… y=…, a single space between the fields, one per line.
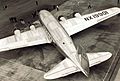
x=101 y=37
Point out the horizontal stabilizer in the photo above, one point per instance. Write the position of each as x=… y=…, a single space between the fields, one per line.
x=67 y=67
x=64 y=68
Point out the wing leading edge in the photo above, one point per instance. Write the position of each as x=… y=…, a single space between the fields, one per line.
x=77 y=24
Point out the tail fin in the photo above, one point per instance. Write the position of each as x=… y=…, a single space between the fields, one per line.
x=83 y=60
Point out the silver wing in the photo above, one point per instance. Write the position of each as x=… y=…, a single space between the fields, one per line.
x=78 y=24
x=25 y=39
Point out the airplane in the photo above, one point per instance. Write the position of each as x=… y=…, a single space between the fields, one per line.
x=58 y=33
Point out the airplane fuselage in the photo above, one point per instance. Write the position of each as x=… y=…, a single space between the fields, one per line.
x=60 y=36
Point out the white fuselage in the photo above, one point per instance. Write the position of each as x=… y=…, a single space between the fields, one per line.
x=60 y=36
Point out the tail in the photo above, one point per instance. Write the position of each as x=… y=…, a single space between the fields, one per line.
x=84 y=61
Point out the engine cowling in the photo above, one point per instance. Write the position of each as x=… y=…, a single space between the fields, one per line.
x=76 y=14
x=17 y=34
x=61 y=18
x=32 y=27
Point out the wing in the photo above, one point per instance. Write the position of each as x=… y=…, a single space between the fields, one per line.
x=78 y=24
x=29 y=38
x=67 y=67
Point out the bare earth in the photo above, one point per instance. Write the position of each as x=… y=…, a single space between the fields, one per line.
x=101 y=37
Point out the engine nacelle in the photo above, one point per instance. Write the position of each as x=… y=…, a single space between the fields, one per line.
x=32 y=27
x=61 y=18
x=17 y=35
x=77 y=15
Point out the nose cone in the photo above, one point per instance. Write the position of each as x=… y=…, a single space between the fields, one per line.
x=44 y=14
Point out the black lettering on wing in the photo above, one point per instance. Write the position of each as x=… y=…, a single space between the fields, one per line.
x=87 y=19
x=95 y=15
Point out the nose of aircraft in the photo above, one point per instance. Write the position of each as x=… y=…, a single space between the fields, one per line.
x=44 y=14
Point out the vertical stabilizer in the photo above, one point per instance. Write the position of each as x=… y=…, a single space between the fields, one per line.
x=84 y=61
